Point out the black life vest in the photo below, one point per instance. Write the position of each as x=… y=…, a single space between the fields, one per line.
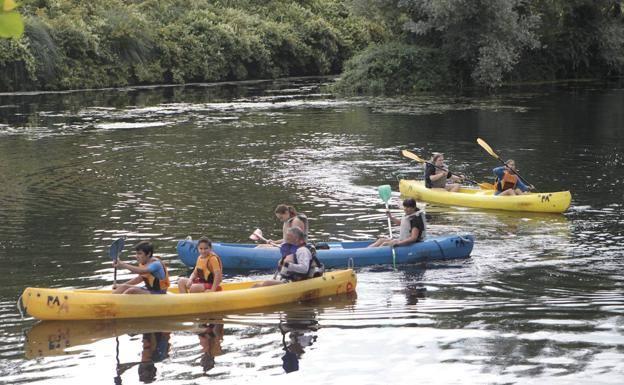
x=315 y=268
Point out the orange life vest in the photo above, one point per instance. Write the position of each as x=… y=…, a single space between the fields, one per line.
x=510 y=180
x=202 y=266
x=153 y=283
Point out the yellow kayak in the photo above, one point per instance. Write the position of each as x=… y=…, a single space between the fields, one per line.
x=60 y=304
x=547 y=202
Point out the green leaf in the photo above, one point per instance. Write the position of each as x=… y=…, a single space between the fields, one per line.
x=11 y=24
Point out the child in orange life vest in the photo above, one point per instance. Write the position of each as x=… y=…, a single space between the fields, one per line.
x=151 y=270
x=507 y=182
x=208 y=271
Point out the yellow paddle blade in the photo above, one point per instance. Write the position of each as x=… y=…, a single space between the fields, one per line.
x=487 y=147
x=413 y=156
x=8 y=5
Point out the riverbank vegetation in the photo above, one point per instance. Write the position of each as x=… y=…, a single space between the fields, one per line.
x=379 y=46
x=84 y=44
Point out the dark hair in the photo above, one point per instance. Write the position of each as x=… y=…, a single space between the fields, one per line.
x=205 y=240
x=283 y=209
x=409 y=202
x=146 y=247
x=435 y=156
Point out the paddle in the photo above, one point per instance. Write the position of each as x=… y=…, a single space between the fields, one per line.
x=489 y=150
x=411 y=155
x=113 y=252
x=257 y=236
x=385 y=192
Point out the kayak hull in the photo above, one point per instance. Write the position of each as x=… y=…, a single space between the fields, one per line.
x=61 y=304
x=547 y=202
x=340 y=254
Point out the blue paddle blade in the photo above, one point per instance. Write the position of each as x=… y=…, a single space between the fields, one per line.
x=385 y=192
x=116 y=248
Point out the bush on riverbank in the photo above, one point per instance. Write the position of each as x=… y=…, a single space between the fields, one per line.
x=76 y=44
x=394 y=69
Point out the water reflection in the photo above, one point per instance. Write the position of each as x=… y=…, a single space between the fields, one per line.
x=210 y=339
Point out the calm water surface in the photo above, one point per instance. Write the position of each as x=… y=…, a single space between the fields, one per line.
x=540 y=300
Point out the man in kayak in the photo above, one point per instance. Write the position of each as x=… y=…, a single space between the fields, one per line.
x=507 y=181
x=439 y=176
x=208 y=272
x=151 y=270
x=290 y=218
x=298 y=260
x=413 y=226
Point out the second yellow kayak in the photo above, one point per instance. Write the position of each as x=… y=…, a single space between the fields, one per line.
x=547 y=202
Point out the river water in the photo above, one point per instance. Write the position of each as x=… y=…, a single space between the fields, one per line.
x=540 y=300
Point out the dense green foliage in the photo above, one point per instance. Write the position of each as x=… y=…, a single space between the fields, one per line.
x=84 y=44
x=394 y=68
x=489 y=42
x=400 y=46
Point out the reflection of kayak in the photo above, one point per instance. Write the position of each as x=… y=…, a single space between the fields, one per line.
x=59 y=304
x=547 y=202
x=249 y=257
x=51 y=338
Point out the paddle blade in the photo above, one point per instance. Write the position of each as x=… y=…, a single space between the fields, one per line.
x=487 y=148
x=412 y=156
x=385 y=192
x=115 y=248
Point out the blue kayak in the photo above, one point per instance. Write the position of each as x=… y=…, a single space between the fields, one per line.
x=236 y=256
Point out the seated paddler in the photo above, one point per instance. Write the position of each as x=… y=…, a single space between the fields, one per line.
x=298 y=260
x=151 y=271
x=508 y=182
x=208 y=272
x=413 y=226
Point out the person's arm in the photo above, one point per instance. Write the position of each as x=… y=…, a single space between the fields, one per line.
x=132 y=268
x=394 y=219
x=499 y=171
x=303 y=258
x=134 y=281
x=521 y=185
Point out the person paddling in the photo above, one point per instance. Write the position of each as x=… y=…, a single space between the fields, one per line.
x=151 y=270
x=437 y=175
x=208 y=272
x=507 y=181
x=413 y=226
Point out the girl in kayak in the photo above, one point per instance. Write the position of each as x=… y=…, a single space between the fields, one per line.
x=439 y=176
x=151 y=270
x=507 y=181
x=413 y=226
x=290 y=218
x=208 y=271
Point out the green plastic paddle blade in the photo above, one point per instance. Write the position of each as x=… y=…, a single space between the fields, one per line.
x=116 y=248
x=385 y=192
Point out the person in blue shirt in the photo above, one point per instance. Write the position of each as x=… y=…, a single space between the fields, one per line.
x=151 y=270
x=508 y=182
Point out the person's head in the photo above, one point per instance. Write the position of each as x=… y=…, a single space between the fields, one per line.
x=204 y=246
x=511 y=163
x=409 y=205
x=285 y=212
x=295 y=236
x=438 y=159
x=144 y=251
